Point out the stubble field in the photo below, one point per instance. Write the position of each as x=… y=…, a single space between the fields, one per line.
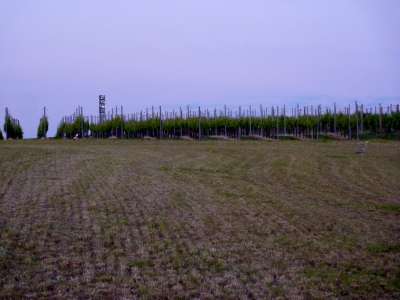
x=211 y=219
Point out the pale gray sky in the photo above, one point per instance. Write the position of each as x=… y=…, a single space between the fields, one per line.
x=61 y=54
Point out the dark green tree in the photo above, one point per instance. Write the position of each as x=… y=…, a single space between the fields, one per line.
x=12 y=128
x=43 y=127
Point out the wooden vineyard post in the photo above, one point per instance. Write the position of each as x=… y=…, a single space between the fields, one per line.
x=319 y=120
x=356 y=115
x=215 y=121
x=147 y=119
x=295 y=128
x=180 y=108
x=326 y=125
x=362 y=120
x=81 y=119
x=284 y=120
x=380 y=118
x=307 y=127
x=152 y=119
x=249 y=114
x=262 y=120
x=140 y=119
x=316 y=129
x=349 y=116
x=266 y=116
x=44 y=116
x=122 y=122
x=277 y=122
x=6 y=124
x=239 y=128
x=310 y=115
x=199 y=123
x=313 y=130
x=334 y=118
x=376 y=121
x=225 y=118
x=116 y=116
x=272 y=120
x=187 y=119
x=161 y=134
x=112 y=118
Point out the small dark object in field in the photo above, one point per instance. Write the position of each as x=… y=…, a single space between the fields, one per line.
x=219 y=137
x=146 y=137
x=335 y=136
x=361 y=148
x=187 y=138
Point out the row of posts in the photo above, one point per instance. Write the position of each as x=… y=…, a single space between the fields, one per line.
x=228 y=113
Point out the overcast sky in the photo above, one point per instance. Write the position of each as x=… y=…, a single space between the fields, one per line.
x=60 y=54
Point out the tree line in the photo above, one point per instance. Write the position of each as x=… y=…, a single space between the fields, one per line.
x=13 y=129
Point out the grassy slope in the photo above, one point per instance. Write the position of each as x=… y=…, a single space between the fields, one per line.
x=248 y=219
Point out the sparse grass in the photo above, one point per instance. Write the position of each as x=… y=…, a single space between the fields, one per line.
x=383 y=248
x=215 y=219
x=391 y=208
x=140 y=264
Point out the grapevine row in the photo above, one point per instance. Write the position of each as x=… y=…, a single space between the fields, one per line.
x=275 y=122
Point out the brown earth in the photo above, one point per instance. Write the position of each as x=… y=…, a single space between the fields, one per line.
x=211 y=219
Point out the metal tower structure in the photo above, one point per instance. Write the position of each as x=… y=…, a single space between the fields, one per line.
x=102 y=108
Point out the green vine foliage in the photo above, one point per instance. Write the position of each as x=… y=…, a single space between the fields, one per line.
x=78 y=127
x=373 y=125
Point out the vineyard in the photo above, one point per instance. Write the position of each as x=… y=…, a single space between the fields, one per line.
x=173 y=219
x=274 y=122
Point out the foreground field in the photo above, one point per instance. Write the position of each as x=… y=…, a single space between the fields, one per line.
x=228 y=219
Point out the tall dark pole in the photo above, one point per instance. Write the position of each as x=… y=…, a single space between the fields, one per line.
x=356 y=114
x=225 y=118
x=250 y=131
x=122 y=122
x=348 y=112
x=42 y=123
x=199 y=123
x=6 y=124
x=334 y=118
x=160 y=123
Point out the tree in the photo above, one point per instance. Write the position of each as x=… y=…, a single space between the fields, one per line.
x=43 y=127
x=12 y=128
x=1 y=135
